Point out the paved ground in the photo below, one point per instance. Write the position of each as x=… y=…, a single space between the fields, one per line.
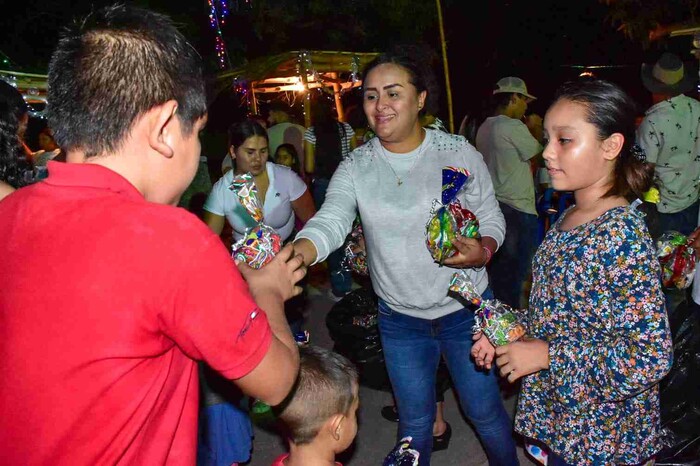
x=376 y=436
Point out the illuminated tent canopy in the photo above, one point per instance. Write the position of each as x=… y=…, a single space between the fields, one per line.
x=299 y=71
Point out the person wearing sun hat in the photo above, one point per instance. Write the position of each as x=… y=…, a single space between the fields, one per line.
x=509 y=149
x=669 y=135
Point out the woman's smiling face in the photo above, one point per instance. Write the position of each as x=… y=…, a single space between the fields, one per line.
x=391 y=102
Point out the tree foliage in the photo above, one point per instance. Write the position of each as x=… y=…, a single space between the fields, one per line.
x=640 y=19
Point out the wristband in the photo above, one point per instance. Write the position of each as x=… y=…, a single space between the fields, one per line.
x=488 y=255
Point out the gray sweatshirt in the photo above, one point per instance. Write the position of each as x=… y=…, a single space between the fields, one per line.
x=394 y=218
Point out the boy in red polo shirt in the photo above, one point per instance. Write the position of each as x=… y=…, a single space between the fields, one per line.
x=110 y=294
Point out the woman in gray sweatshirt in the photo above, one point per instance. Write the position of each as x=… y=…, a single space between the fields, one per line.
x=392 y=181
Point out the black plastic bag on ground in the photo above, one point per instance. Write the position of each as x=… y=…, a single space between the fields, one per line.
x=680 y=391
x=352 y=324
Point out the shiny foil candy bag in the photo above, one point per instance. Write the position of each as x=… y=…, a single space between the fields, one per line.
x=495 y=319
x=677 y=258
x=448 y=217
x=260 y=243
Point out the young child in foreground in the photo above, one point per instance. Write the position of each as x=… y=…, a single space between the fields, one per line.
x=599 y=340
x=320 y=415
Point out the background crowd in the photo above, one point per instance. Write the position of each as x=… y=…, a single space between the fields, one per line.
x=146 y=304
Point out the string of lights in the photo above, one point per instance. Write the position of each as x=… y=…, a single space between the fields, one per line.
x=218 y=12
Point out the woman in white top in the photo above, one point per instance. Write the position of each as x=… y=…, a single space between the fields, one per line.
x=281 y=191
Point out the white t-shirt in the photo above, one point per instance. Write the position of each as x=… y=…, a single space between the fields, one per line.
x=285 y=187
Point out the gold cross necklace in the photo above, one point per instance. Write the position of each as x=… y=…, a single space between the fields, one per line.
x=399 y=181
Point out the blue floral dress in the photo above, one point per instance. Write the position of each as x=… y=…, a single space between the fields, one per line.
x=596 y=298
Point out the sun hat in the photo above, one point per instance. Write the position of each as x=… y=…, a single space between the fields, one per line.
x=513 y=85
x=669 y=75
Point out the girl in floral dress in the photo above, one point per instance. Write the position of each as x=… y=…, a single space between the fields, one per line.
x=599 y=337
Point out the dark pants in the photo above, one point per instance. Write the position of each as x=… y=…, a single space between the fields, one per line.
x=341 y=278
x=685 y=221
x=512 y=262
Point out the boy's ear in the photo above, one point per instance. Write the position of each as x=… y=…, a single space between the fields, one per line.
x=613 y=145
x=159 y=127
x=335 y=425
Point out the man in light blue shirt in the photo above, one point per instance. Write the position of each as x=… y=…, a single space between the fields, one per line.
x=509 y=149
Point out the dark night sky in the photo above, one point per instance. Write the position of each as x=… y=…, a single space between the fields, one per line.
x=487 y=39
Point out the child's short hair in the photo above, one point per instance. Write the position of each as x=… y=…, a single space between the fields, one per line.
x=325 y=387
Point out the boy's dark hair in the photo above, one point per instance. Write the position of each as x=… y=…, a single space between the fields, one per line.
x=611 y=110
x=499 y=102
x=326 y=386
x=114 y=66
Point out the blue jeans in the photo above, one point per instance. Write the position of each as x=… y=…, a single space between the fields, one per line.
x=511 y=263
x=412 y=349
x=340 y=277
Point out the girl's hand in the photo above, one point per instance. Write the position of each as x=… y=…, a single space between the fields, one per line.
x=470 y=253
x=482 y=351
x=522 y=357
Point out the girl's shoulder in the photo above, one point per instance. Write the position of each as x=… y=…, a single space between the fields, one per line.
x=623 y=226
x=625 y=217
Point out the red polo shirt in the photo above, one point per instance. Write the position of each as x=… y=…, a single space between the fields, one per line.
x=106 y=300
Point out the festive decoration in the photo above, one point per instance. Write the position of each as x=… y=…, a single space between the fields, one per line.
x=260 y=243
x=355 y=252
x=497 y=320
x=402 y=454
x=677 y=258
x=447 y=218
x=291 y=76
x=218 y=12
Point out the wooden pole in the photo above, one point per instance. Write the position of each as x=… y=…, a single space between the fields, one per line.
x=336 y=95
x=446 y=67
x=307 y=99
x=254 y=100
x=307 y=95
